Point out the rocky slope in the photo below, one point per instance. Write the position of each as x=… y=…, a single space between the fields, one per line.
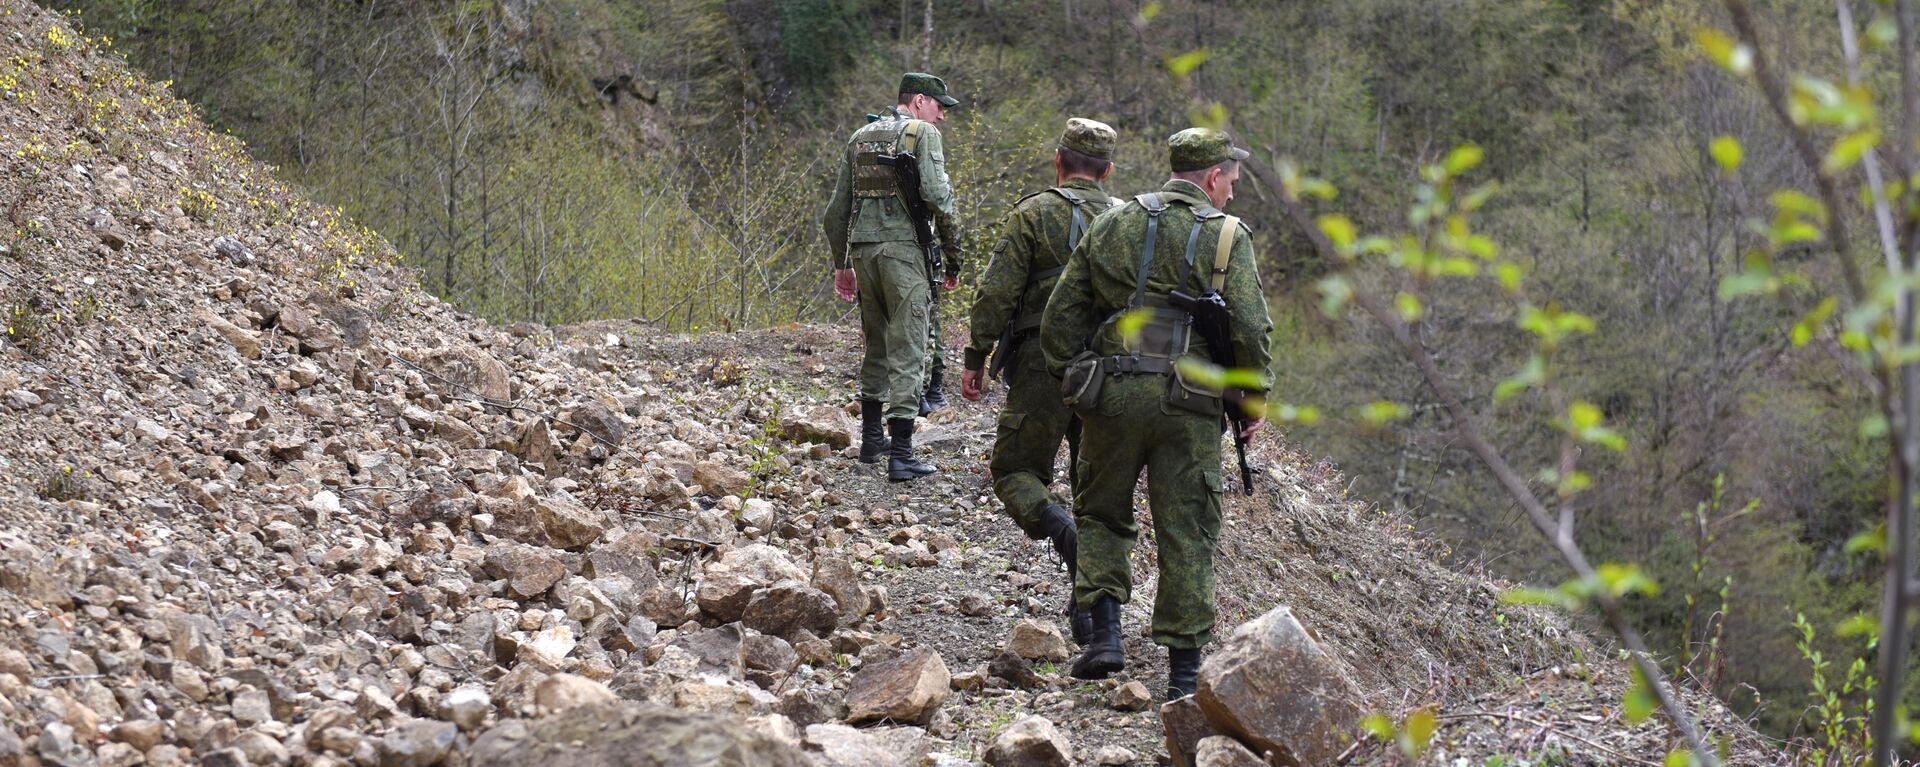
x=265 y=502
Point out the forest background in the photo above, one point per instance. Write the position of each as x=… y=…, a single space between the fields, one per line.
x=563 y=160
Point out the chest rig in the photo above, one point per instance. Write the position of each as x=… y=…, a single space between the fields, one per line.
x=1168 y=331
x=872 y=180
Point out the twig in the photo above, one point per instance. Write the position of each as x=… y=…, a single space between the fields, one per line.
x=1548 y=727
x=207 y=593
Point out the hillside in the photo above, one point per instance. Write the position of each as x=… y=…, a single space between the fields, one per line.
x=268 y=502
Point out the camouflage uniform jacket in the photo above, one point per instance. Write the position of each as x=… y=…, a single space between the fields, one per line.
x=849 y=220
x=1099 y=282
x=1034 y=241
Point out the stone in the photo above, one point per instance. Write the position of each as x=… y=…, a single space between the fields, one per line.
x=142 y=734
x=11 y=749
x=244 y=341
x=1222 y=751
x=759 y=513
x=788 y=606
x=837 y=577
x=628 y=557
x=819 y=423
x=718 y=479
x=304 y=373
x=113 y=755
x=1272 y=686
x=837 y=745
x=764 y=652
x=567 y=524
x=908 y=688
x=261 y=748
x=727 y=584
x=1113 y=756
x=528 y=570
x=1030 y=742
x=976 y=604
x=1184 y=725
x=626 y=734
x=812 y=705
x=1015 y=669
x=599 y=420
x=467 y=707
x=1132 y=696
x=251 y=707
x=467 y=367
x=227 y=247
x=720 y=652
x=416 y=743
x=1037 y=641
x=21 y=399
x=534 y=444
x=564 y=691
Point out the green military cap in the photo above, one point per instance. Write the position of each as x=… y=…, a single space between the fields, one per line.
x=1092 y=138
x=923 y=83
x=1199 y=148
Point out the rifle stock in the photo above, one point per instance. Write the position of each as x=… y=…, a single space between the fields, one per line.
x=906 y=169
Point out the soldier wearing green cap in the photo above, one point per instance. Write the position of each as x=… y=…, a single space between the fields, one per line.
x=1145 y=414
x=877 y=261
x=1039 y=234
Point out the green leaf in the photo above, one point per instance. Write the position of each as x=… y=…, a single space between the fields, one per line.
x=1210 y=115
x=1511 y=275
x=1130 y=324
x=1640 y=702
x=1572 y=484
x=1409 y=306
x=1335 y=291
x=1381 y=412
x=1479 y=196
x=1727 y=152
x=1201 y=372
x=1150 y=11
x=1378 y=725
x=1464 y=158
x=1847 y=152
x=1804 y=329
x=1339 y=230
x=1682 y=758
x=1306 y=415
x=1318 y=189
x=1874 y=541
x=1882 y=32
x=1420 y=726
x=1540 y=598
x=1860 y=625
x=1533 y=374
x=1745 y=284
x=1790 y=201
x=1183 y=63
x=1622 y=579
x=1724 y=51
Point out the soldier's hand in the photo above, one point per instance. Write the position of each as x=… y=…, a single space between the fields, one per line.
x=952 y=281
x=972 y=382
x=1252 y=426
x=845 y=284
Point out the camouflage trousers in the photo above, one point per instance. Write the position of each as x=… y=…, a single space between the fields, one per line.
x=893 y=319
x=936 y=345
x=1180 y=451
x=1028 y=439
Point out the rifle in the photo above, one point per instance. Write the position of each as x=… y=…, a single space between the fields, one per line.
x=1209 y=312
x=906 y=168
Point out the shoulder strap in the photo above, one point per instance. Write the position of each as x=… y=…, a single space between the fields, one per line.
x=912 y=133
x=1227 y=229
x=1078 y=226
x=1154 y=207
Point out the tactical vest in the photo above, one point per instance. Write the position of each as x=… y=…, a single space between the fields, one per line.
x=872 y=180
x=1029 y=321
x=1168 y=331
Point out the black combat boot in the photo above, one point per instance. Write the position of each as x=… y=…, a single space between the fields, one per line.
x=1104 y=655
x=934 y=396
x=1183 y=672
x=873 y=431
x=902 y=466
x=1056 y=525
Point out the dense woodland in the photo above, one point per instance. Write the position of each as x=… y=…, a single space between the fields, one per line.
x=560 y=160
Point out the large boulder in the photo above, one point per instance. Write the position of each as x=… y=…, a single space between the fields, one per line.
x=728 y=583
x=1185 y=726
x=786 y=607
x=837 y=577
x=908 y=688
x=1273 y=687
x=1030 y=742
x=624 y=734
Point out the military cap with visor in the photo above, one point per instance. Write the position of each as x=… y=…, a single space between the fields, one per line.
x=1092 y=138
x=929 y=86
x=1201 y=148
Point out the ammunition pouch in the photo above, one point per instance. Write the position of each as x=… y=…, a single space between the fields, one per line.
x=1080 y=386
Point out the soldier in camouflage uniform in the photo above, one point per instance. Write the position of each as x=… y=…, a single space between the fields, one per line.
x=872 y=236
x=1014 y=288
x=1146 y=416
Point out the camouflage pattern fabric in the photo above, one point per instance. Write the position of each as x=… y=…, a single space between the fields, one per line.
x=875 y=238
x=1033 y=421
x=893 y=316
x=1134 y=429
